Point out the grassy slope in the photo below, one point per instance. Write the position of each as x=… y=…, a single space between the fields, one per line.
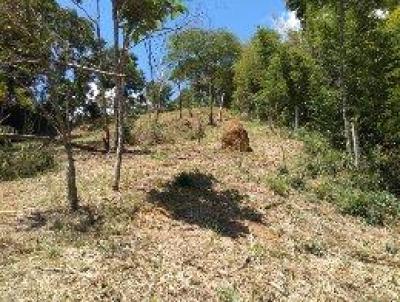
x=153 y=242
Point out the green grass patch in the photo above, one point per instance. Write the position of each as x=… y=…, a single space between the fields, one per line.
x=25 y=160
x=279 y=184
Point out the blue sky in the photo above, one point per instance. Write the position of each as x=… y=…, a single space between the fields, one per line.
x=239 y=16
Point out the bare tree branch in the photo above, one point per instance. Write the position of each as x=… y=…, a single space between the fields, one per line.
x=80 y=6
x=93 y=69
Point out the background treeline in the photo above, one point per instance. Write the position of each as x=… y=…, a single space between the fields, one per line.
x=339 y=75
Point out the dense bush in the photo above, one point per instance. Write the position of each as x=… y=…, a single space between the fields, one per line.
x=387 y=164
x=359 y=192
x=24 y=160
x=321 y=157
x=376 y=207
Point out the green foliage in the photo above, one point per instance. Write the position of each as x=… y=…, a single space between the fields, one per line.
x=160 y=93
x=250 y=70
x=309 y=78
x=280 y=184
x=321 y=158
x=228 y=294
x=359 y=193
x=141 y=17
x=128 y=137
x=387 y=164
x=315 y=247
x=204 y=59
x=24 y=160
x=376 y=207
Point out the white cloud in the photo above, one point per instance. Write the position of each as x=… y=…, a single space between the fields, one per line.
x=287 y=22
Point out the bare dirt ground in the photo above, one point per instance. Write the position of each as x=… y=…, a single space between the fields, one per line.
x=227 y=238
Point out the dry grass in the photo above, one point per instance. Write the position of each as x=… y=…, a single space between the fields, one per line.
x=164 y=239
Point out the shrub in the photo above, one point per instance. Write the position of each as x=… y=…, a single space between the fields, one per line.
x=360 y=193
x=387 y=163
x=376 y=207
x=315 y=247
x=128 y=137
x=5 y=129
x=151 y=133
x=228 y=294
x=321 y=158
x=24 y=160
x=279 y=184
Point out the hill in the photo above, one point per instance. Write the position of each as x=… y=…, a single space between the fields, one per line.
x=192 y=223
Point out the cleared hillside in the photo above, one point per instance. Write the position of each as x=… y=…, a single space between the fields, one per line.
x=192 y=223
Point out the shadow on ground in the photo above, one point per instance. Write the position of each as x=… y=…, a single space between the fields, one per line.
x=87 y=219
x=84 y=219
x=191 y=197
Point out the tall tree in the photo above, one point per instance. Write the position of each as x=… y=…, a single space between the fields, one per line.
x=205 y=58
x=250 y=71
x=133 y=20
x=54 y=64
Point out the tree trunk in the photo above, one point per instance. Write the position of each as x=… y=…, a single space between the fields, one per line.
x=121 y=120
x=190 y=106
x=119 y=84
x=72 y=191
x=120 y=143
x=180 y=102
x=103 y=102
x=356 y=145
x=157 y=111
x=116 y=64
x=347 y=135
x=106 y=128
x=211 y=95
x=120 y=146
x=221 y=107
x=342 y=74
x=296 y=117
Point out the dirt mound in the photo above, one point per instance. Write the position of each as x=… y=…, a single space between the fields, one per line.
x=235 y=137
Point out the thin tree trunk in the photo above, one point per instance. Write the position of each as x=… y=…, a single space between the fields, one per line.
x=356 y=145
x=120 y=143
x=120 y=147
x=103 y=102
x=190 y=106
x=342 y=74
x=211 y=95
x=121 y=121
x=347 y=135
x=221 y=107
x=180 y=102
x=106 y=128
x=116 y=64
x=296 y=117
x=72 y=191
x=157 y=103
